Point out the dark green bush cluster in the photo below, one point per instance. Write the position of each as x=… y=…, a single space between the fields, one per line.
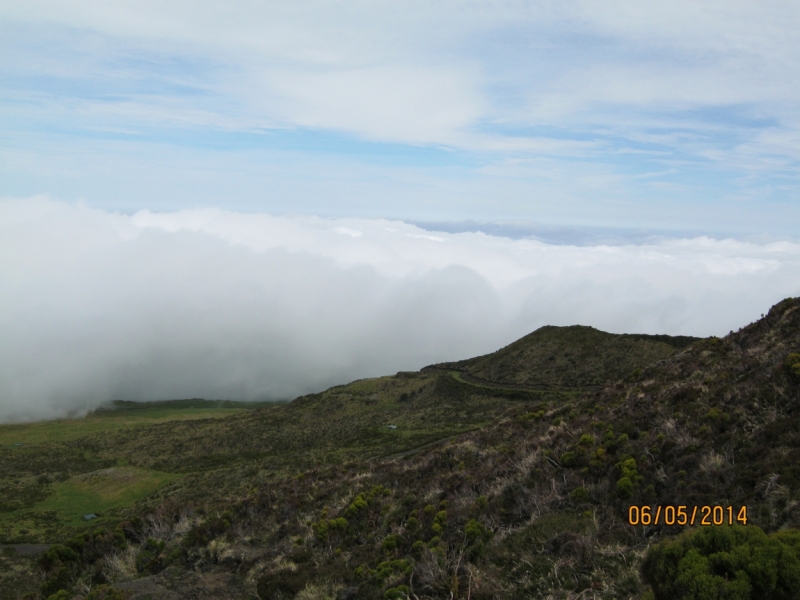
x=391 y=542
x=385 y=569
x=439 y=522
x=150 y=558
x=399 y=592
x=531 y=416
x=793 y=365
x=324 y=528
x=629 y=479
x=63 y=563
x=579 y=495
x=736 y=563
x=202 y=533
x=568 y=459
x=364 y=499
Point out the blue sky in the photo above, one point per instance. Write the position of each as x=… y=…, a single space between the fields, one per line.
x=675 y=116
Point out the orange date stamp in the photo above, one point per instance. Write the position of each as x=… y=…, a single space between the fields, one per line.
x=669 y=514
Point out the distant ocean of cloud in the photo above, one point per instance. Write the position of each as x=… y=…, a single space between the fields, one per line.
x=97 y=305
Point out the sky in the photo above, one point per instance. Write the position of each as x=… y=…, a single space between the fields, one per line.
x=255 y=200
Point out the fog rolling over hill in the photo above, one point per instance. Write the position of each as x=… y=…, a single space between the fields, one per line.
x=212 y=303
x=507 y=476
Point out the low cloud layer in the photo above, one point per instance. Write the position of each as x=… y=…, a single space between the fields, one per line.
x=209 y=303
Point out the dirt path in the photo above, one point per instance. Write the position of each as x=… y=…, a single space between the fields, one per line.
x=27 y=549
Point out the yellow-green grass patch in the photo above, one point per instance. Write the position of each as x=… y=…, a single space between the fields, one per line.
x=70 y=429
x=97 y=492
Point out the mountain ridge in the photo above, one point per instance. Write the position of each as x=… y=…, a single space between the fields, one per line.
x=425 y=485
x=573 y=356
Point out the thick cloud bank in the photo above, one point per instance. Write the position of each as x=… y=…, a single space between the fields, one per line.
x=97 y=305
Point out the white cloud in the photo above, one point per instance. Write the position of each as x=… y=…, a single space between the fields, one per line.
x=419 y=71
x=549 y=110
x=97 y=305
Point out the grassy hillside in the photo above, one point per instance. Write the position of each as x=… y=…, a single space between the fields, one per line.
x=200 y=446
x=570 y=357
x=435 y=485
x=120 y=415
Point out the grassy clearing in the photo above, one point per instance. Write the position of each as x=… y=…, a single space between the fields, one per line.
x=64 y=430
x=102 y=491
x=98 y=492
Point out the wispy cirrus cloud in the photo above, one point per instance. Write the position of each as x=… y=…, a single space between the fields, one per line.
x=700 y=98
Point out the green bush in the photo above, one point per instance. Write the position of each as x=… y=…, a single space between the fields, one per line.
x=391 y=542
x=476 y=531
x=359 y=503
x=568 y=459
x=737 y=563
x=57 y=554
x=396 y=593
x=625 y=487
x=579 y=495
x=793 y=364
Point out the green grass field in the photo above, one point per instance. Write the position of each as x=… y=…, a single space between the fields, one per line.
x=101 y=491
x=51 y=473
x=125 y=416
x=98 y=492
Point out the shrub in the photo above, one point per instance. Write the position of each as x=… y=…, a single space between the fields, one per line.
x=580 y=495
x=628 y=469
x=793 y=364
x=391 y=567
x=359 y=503
x=625 y=487
x=738 y=562
x=568 y=459
x=476 y=531
x=396 y=593
x=57 y=554
x=322 y=528
x=391 y=542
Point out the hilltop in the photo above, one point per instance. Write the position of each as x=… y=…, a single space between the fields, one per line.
x=504 y=476
x=576 y=356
